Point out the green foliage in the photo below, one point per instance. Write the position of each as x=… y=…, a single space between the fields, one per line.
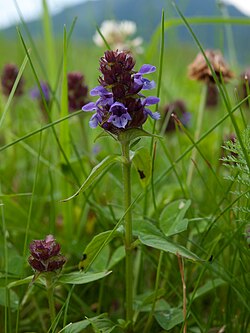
x=204 y=223
x=235 y=160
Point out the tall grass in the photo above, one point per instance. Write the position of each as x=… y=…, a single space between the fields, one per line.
x=190 y=253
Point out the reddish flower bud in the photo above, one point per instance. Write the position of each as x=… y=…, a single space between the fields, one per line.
x=8 y=77
x=45 y=255
x=77 y=91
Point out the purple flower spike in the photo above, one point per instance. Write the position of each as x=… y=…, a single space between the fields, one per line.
x=121 y=105
x=77 y=91
x=45 y=255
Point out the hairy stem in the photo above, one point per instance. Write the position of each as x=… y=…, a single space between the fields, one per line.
x=128 y=233
x=50 y=295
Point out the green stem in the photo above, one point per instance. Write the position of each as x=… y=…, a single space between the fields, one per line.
x=50 y=295
x=128 y=233
x=197 y=133
x=157 y=282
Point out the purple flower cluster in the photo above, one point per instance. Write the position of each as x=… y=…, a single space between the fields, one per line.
x=8 y=78
x=121 y=105
x=77 y=91
x=45 y=255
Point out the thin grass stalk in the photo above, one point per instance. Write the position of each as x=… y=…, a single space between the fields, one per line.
x=184 y=296
x=28 y=223
x=153 y=146
x=220 y=85
x=229 y=35
x=147 y=328
x=203 y=136
x=48 y=113
x=11 y=95
x=128 y=237
x=197 y=133
x=65 y=142
x=50 y=44
x=7 y=322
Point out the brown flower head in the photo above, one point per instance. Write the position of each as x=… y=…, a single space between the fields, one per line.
x=179 y=108
x=8 y=77
x=45 y=255
x=245 y=85
x=200 y=71
x=77 y=91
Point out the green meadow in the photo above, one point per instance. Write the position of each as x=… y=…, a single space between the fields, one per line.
x=153 y=223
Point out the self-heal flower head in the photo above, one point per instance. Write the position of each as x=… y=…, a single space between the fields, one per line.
x=121 y=104
x=45 y=255
x=200 y=71
x=8 y=77
x=244 y=85
x=77 y=91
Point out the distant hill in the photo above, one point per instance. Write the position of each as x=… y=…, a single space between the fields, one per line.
x=147 y=15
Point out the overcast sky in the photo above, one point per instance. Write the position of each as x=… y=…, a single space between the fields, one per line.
x=32 y=8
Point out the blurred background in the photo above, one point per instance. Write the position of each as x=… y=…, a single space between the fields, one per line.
x=146 y=15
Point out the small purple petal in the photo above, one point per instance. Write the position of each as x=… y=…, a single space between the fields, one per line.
x=154 y=115
x=151 y=100
x=91 y=106
x=120 y=121
x=117 y=107
x=103 y=100
x=95 y=120
x=147 y=84
x=98 y=91
x=147 y=69
x=119 y=115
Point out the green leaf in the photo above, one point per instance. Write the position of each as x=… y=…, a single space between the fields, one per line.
x=208 y=286
x=95 y=246
x=21 y=282
x=13 y=300
x=117 y=256
x=96 y=172
x=81 y=277
x=150 y=235
x=143 y=165
x=133 y=133
x=101 y=260
x=172 y=219
x=99 y=323
x=162 y=243
x=170 y=318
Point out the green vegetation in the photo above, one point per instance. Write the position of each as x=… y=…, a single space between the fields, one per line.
x=190 y=232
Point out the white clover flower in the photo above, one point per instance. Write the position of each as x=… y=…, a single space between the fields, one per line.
x=117 y=35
